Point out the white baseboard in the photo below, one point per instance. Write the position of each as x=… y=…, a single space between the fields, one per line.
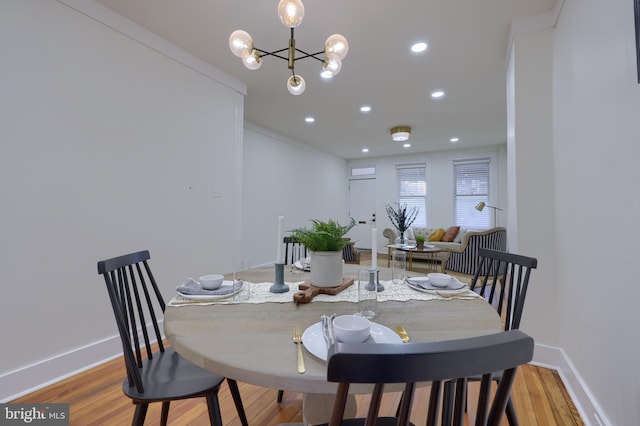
x=555 y=358
x=36 y=376
x=25 y=380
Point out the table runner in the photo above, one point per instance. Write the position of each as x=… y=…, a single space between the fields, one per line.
x=399 y=292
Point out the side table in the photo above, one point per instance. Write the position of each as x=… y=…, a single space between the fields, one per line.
x=429 y=250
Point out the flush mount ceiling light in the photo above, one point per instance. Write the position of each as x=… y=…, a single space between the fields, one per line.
x=400 y=133
x=291 y=13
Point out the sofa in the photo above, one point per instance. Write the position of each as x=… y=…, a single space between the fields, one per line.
x=461 y=254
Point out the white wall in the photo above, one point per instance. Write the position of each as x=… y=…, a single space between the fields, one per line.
x=285 y=177
x=531 y=178
x=440 y=174
x=596 y=104
x=106 y=147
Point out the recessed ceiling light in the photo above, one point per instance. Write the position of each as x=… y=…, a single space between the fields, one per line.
x=365 y=108
x=419 y=47
x=454 y=140
x=436 y=94
x=406 y=145
x=365 y=149
x=326 y=74
x=309 y=119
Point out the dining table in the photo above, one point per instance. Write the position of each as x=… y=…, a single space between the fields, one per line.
x=252 y=340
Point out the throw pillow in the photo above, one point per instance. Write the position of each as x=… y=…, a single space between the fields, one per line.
x=460 y=236
x=450 y=234
x=436 y=235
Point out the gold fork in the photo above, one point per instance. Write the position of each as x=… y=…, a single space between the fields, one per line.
x=297 y=339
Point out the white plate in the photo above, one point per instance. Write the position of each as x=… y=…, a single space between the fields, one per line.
x=225 y=284
x=302 y=265
x=314 y=342
x=423 y=284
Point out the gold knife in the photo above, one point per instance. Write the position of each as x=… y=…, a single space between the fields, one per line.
x=403 y=334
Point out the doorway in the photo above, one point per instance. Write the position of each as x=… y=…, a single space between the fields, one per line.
x=362 y=207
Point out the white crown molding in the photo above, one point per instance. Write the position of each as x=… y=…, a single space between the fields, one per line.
x=256 y=128
x=119 y=23
x=530 y=24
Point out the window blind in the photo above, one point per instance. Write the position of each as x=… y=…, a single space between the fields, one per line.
x=471 y=186
x=411 y=189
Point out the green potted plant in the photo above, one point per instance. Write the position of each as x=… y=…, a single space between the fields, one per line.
x=420 y=242
x=325 y=241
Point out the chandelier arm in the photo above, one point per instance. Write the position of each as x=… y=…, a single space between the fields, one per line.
x=310 y=55
x=274 y=53
x=271 y=53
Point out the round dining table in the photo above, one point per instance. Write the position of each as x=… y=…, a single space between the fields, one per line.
x=251 y=341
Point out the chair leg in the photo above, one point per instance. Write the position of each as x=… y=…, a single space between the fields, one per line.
x=235 y=393
x=280 y=395
x=164 y=416
x=214 y=409
x=511 y=413
x=139 y=415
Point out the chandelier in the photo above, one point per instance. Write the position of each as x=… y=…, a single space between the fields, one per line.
x=291 y=13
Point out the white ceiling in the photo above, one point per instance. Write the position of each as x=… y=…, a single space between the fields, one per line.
x=466 y=57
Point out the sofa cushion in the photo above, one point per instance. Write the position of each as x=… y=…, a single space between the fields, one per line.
x=450 y=234
x=436 y=235
x=409 y=234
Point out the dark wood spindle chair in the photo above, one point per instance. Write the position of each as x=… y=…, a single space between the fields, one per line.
x=437 y=362
x=163 y=376
x=502 y=278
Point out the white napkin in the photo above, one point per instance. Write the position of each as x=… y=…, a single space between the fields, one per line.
x=192 y=287
x=425 y=284
x=327 y=329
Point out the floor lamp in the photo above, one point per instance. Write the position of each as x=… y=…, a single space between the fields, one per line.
x=481 y=205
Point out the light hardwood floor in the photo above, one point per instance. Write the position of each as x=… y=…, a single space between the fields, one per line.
x=95 y=398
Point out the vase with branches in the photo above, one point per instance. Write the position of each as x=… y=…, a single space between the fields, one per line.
x=401 y=218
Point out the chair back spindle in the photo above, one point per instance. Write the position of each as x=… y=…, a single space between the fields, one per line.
x=137 y=309
x=294 y=250
x=505 y=277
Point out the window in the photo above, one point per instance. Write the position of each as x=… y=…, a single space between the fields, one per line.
x=363 y=171
x=411 y=189
x=471 y=186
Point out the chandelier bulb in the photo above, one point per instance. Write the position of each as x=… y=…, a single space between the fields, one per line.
x=240 y=43
x=253 y=61
x=337 y=44
x=296 y=85
x=331 y=65
x=291 y=12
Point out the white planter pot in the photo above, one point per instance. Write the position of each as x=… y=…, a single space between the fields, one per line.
x=326 y=268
